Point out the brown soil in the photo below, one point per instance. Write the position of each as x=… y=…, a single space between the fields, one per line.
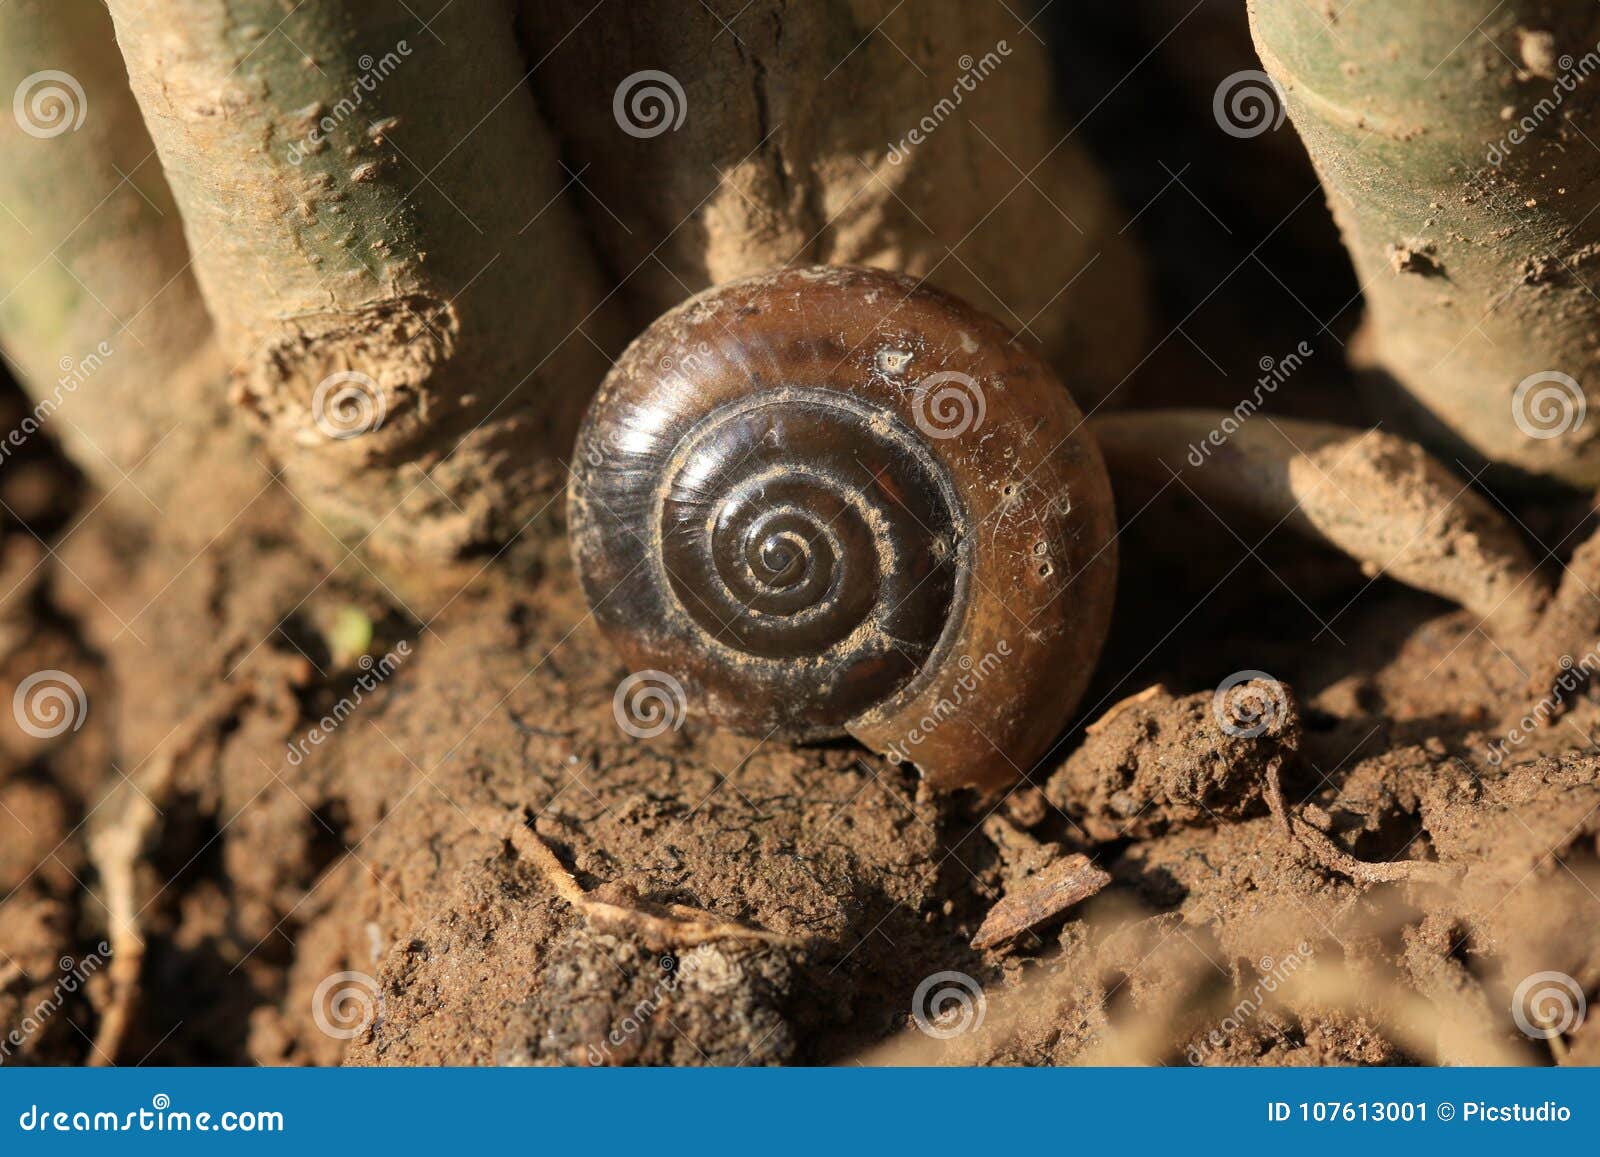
x=477 y=866
x=831 y=882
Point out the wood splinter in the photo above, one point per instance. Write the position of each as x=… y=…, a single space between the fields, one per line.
x=1039 y=898
x=1154 y=691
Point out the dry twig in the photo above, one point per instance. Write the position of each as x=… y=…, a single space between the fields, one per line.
x=117 y=850
x=670 y=926
x=1331 y=856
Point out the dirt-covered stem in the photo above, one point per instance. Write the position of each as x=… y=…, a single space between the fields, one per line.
x=1455 y=139
x=100 y=315
x=1378 y=498
x=719 y=140
x=376 y=218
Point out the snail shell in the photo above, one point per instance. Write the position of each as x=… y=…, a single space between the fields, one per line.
x=831 y=501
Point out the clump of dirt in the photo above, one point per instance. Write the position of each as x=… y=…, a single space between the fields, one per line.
x=1157 y=761
x=477 y=865
x=38 y=1012
x=714 y=1005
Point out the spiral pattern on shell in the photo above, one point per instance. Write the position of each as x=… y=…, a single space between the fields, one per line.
x=760 y=508
x=802 y=525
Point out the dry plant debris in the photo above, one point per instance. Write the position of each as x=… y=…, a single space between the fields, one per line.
x=1040 y=898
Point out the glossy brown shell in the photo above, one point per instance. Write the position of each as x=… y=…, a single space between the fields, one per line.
x=831 y=501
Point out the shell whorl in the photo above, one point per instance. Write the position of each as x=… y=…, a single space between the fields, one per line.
x=813 y=533
x=818 y=498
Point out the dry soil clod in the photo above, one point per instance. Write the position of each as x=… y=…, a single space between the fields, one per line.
x=1156 y=761
x=1335 y=858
